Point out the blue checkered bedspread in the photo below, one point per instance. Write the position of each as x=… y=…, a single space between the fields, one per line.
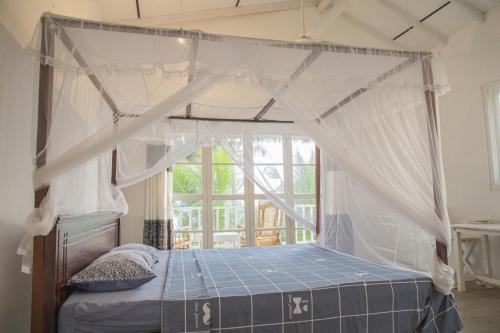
x=298 y=288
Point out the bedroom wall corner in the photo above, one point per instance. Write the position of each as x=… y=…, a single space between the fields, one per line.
x=17 y=73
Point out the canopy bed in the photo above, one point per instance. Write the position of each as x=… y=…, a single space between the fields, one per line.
x=108 y=92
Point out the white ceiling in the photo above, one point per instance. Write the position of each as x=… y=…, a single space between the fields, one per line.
x=373 y=14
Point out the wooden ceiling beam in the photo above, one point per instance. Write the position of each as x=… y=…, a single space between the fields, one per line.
x=414 y=21
x=373 y=32
x=210 y=14
x=328 y=14
x=470 y=9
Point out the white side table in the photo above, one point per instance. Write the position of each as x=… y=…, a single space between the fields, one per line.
x=483 y=230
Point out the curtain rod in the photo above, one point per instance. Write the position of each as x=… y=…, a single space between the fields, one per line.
x=233 y=120
x=174 y=33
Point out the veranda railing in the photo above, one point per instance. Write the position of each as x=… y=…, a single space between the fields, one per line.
x=231 y=218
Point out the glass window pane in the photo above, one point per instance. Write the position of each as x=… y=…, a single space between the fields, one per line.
x=304 y=179
x=268 y=150
x=227 y=179
x=220 y=155
x=228 y=215
x=303 y=150
x=188 y=225
x=187 y=179
x=269 y=224
x=304 y=236
x=306 y=208
x=193 y=158
x=187 y=215
x=271 y=177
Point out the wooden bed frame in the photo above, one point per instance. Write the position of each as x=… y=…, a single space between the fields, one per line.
x=73 y=243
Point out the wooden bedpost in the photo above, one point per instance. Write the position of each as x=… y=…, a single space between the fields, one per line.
x=114 y=168
x=43 y=301
x=433 y=130
x=318 y=189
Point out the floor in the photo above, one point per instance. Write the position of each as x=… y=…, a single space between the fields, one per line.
x=480 y=309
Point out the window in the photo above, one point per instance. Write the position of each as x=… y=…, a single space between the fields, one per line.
x=187 y=203
x=491 y=96
x=214 y=205
x=304 y=184
x=227 y=197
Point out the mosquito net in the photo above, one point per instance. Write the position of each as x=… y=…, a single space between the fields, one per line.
x=372 y=113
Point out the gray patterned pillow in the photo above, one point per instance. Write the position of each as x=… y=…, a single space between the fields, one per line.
x=140 y=247
x=115 y=270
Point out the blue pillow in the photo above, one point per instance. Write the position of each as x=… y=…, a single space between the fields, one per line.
x=140 y=247
x=113 y=271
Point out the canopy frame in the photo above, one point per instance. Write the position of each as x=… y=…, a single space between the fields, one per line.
x=316 y=50
x=180 y=33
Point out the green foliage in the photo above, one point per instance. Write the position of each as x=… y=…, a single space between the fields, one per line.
x=304 y=176
x=223 y=175
x=187 y=179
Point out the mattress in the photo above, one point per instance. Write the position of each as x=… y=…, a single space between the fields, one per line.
x=136 y=310
x=298 y=288
x=292 y=288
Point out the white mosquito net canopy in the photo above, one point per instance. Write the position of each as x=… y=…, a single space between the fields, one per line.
x=371 y=112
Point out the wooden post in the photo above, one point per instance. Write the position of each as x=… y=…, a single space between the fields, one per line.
x=43 y=302
x=114 y=166
x=433 y=131
x=318 y=190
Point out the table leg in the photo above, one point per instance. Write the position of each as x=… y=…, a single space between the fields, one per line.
x=486 y=252
x=460 y=261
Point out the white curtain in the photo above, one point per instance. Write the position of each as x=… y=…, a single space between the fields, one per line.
x=180 y=139
x=370 y=111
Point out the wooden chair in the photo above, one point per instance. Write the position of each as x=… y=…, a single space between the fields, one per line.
x=268 y=216
x=182 y=240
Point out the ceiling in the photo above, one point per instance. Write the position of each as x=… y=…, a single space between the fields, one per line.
x=394 y=23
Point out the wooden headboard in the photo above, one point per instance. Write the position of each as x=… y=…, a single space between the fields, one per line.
x=73 y=243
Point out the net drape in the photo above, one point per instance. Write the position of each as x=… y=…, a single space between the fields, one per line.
x=371 y=112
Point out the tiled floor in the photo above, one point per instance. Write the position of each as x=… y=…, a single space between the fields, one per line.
x=479 y=308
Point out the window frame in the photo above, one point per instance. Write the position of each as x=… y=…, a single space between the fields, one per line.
x=492 y=115
x=249 y=196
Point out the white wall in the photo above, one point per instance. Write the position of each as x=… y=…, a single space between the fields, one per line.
x=472 y=59
x=16 y=192
x=131 y=225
